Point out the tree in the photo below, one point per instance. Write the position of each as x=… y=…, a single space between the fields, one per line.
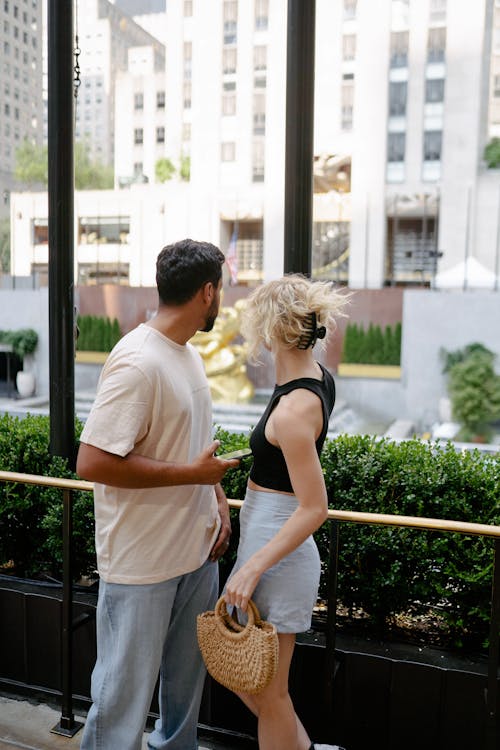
x=185 y=168
x=32 y=167
x=492 y=153
x=474 y=389
x=91 y=175
x=164 y=170
x=31 y=164
x=5 y=245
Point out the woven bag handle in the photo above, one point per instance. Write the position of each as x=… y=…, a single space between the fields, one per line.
x=223 y=619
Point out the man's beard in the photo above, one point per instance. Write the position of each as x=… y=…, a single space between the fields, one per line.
x=209 y=323
x=211 y=317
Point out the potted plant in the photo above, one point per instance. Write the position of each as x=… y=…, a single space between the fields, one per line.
x=23 y=342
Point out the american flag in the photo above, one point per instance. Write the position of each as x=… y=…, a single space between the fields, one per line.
x=232 y=258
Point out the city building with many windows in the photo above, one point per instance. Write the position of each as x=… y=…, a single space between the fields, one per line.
x=21 y=108
x=404 y=106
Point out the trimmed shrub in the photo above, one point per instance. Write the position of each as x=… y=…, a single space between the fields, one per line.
x=372 y=346
x=383 y=571
x=97 y=333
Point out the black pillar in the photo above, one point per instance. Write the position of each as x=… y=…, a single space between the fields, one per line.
x=299 y=136
x=61 y=206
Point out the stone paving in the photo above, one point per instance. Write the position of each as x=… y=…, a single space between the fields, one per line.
x=27 y=725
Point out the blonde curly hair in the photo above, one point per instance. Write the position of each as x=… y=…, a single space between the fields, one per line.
x=280 y=312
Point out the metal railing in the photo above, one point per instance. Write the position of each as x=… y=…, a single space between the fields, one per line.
x=67 y=725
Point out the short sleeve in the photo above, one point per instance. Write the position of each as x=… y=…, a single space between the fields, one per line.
x=120 y=414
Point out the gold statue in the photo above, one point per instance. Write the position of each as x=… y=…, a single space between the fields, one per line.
x=225 y=362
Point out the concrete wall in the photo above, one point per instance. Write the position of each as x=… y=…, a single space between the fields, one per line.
x=29 y=309
x=432 y=320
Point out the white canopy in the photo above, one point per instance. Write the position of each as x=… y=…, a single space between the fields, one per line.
x=470 y=274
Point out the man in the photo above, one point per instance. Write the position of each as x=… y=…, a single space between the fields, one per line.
x=162 y=518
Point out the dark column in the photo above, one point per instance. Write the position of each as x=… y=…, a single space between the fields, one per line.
x=299 y=136
x=61 y=250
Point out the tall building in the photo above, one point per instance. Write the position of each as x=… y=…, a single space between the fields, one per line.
x=401 y=111
x=405 y=102
x=105 y=34
x=21 y=106
x=494 y=111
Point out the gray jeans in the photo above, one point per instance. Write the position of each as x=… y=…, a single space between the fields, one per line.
x=143 y=630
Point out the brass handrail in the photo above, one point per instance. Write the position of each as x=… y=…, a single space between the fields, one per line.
x=69 y=727
x=381 y=519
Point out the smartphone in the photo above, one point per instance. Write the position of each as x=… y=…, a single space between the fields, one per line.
x=242 y=453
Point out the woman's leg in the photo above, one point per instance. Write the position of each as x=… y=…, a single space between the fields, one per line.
x=278 y=725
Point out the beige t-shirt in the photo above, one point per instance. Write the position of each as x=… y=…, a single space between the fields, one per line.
x=153 y=399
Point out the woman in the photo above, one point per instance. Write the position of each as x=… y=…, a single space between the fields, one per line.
x=278 y=563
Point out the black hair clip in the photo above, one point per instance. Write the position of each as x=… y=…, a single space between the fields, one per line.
x=313 y=333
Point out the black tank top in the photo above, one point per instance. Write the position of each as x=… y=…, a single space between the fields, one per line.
x=269 y=467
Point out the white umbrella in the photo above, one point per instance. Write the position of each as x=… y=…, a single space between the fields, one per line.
x=470 y=274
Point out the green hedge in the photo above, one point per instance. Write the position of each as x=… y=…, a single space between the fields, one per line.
x=97 y=333
x=383 y=571
x=372 y=346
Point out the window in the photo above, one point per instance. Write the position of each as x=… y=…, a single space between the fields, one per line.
x=188 y=56
x=496 y=86
x=229 y=86
x=350 y=8
x=396 y=147
x=258 y=161
x=261 y=14
x=187 y=95
x=434 y=90
x=436 y=45
x=349 y=46
x=138 y=167
x=432 y=145
x=160 y=100
x=437 y=11
x=160 y=135
x=229 y=104
x=260 y=58
x=186 y=131
x=399 y=49
x=101 y=230
x=188 y=8
x=230 y=21
x=229 y=60
x=397 y=98
x=228 y=151
x=138 y=101
x=259 y=114
x=347 y=110
x=40 y=231
x=138 y=136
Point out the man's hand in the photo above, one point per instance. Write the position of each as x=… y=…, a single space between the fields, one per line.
x=209 y=469
x=222 y=541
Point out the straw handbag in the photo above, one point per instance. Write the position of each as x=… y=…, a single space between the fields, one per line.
x=242 y=658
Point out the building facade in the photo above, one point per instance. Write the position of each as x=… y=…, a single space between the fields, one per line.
x=21 y=107
x=404 y=106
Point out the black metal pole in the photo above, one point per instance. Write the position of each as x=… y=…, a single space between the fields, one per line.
x=67 y=726
x=494 y=655
x=331 y=621
x=61 y=228
x=299 y=136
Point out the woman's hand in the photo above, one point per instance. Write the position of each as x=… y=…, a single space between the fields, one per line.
x=240 y=587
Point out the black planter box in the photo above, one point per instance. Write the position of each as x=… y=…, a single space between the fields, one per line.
x=386 y=696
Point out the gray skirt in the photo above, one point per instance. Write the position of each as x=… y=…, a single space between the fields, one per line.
x=286 y=592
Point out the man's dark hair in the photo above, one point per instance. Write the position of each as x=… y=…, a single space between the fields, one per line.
x=184 y=267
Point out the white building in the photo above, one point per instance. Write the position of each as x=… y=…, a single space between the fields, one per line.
x=20 y=84
x=105 y=36
x=402 y=88
x=403 y=110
